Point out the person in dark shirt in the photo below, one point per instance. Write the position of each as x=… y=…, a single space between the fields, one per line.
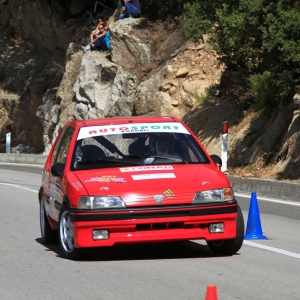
x=132 y=9
x=98 y=41
x=100 y=22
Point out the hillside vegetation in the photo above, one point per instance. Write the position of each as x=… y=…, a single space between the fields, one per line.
x=260 y=36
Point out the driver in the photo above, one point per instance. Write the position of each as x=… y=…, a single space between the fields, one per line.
x=162 y=146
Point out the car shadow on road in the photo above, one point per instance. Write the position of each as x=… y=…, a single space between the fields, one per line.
x=145 y=251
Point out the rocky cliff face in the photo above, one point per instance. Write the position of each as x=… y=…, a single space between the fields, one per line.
x=46 y=80
x=34 y=38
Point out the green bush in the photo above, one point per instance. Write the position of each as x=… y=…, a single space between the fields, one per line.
x=259 y=84
x=261 y=36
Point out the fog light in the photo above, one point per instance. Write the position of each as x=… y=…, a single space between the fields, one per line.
x=216 y=227
x=100 y=234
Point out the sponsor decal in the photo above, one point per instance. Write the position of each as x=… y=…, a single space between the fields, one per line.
x=106 y=179
x=153 y=176
x=104 y=188
x=159 y=199
x=146 y=168
x=169 y=194
x=131 y=128
x=77 y=185
x=204 y=182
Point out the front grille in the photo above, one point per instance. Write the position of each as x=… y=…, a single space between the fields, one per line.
x=164 y=225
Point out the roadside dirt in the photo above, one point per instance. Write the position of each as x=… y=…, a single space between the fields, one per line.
x=254 y=149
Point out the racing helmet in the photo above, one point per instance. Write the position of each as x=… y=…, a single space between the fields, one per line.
x=160 y=144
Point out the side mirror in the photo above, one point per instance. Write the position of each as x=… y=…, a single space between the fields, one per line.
x=217 y=160
x=57 y=169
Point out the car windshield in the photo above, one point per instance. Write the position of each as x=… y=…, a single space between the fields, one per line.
x=97 y=147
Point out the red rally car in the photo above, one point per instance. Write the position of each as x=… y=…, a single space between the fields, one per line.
x=131 y=180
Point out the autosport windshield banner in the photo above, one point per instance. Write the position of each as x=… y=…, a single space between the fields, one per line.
x=91 y=131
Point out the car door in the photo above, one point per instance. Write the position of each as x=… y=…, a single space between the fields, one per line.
x=55 y=182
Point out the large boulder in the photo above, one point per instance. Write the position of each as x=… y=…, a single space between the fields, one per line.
x=128 y=50
x=121 y=101
x=103 y=87
x=48 y=113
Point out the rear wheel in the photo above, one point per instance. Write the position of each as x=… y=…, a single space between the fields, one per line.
x=66 y=238
x=230 y=247
x=49 y=236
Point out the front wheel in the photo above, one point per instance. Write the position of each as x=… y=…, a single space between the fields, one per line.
x=65 y=234
x=230 y=247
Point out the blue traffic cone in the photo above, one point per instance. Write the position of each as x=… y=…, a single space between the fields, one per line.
x=253 y=230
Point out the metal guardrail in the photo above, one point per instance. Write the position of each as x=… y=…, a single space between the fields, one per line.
x=33 y=159
x=267 y=188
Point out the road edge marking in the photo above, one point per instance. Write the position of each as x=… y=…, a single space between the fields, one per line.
x=272 y=249
x=269 y=199
x=19 y=187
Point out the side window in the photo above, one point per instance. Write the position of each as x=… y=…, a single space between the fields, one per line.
x=62 y=147
x=53 y=159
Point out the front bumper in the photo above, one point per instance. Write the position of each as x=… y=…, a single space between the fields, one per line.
x=157 y=224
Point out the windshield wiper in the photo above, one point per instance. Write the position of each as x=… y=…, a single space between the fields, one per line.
x=150 y=158
x=178 y=159
x=108 y=160
x=137 y=155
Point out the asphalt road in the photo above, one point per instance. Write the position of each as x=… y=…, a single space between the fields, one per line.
x=263 y=269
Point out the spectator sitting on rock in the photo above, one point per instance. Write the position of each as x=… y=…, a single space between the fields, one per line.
x=93 y=36
x=98 y=42
x=100 y=22
x=132 y=9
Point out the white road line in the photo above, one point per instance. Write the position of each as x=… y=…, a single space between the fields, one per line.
x=280 y=251
x=19 y=187
x=269 y=199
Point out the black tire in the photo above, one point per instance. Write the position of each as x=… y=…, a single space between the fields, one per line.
x=49 y=236
x=65 y=235
x=230 y=247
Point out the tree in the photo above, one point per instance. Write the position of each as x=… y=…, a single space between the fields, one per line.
x=259 y=35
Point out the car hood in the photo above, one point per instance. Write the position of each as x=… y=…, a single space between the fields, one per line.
x=137 y=185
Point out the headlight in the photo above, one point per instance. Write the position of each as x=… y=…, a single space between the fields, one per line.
x=217 y=195
x=99 y=202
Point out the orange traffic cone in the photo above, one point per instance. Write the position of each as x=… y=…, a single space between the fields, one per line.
x=211 y=293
